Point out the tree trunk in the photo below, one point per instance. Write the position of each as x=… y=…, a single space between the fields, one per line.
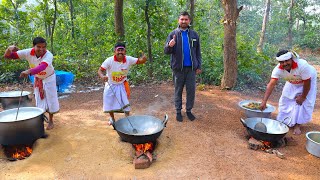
x=17 y=19
x=290 y=25
x=229 y=78
x=47 y=22
x=71 y=9
x=264 y=25
x=146 y=15
x=192 y=13
x=118 y=19
x=53 y=23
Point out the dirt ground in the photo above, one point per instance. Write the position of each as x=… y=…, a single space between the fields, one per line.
x=214 y=146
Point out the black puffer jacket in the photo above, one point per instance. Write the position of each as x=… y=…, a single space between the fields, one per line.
x=176 y=51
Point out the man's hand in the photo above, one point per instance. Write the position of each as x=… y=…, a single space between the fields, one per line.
x=24 y=74
x=263 y=106
x=172 y=42
x=300 y=99
x=9 y=50
x=13 y=48
x=142 y=59
x=104 y=78
x=198 y=71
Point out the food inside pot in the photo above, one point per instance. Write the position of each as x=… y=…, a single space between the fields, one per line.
x=23 y=114
x=252 y=105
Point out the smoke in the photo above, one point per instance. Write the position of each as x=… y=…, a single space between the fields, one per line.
x=160 y=104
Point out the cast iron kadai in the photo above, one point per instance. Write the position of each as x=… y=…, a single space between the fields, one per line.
x=275 y=130
x=149 y=128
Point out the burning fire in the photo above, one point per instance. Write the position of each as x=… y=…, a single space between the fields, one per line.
x=144 y=147
x=267 y=145
x=19 y=151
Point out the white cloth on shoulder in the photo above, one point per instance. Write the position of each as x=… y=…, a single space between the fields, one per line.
x=115 y=98
x=50 y=102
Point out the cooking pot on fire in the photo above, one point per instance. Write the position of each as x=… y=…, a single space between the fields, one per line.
x=276 y=130
x=148 y=128
x=22 y=129
x=10 y=99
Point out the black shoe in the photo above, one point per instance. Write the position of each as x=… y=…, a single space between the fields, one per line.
x=191 y=116
x=179 y=117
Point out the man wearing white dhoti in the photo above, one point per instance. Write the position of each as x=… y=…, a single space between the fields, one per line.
x=40 y=62
x=113 y=72
x=299 y=92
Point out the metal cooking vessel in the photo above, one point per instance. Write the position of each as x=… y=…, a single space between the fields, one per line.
x=149 y=128
x=254 y=112
x=25 y=130
x=313 y=143
x=275 y=130
x=10 y=99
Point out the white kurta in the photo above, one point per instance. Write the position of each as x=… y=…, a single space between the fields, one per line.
x=115 y=98
x=299 y=114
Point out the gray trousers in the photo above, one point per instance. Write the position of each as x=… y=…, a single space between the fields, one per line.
x=185 y=77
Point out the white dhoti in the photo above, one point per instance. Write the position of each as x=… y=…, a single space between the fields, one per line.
x=115 y=98
x=50 y=101
x=299 y=114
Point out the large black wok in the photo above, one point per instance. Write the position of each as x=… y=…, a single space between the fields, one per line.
x=276 y=130
x=149 y=128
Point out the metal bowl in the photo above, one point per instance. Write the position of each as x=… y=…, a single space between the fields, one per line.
x=10 y=99
x=256 y=113
x=313 y=143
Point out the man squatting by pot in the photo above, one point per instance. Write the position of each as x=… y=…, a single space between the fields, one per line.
x=299 y=92
x=113 y=72
x=183 y=44
x=40 y=62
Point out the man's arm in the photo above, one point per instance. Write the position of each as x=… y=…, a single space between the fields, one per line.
x=101 y=74
x=199 y=58
x=306 y=89
x=268 y=92
x=42 y=66
x=170 y=42
x=142 y=59
x=10 y=52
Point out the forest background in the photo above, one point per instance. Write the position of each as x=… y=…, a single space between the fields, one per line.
x=81 y=34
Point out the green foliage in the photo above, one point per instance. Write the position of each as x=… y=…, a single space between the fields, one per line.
x=94 y=36
x=7 y=77
x=254 y=68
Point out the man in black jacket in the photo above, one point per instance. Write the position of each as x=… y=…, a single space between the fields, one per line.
x=184 y=46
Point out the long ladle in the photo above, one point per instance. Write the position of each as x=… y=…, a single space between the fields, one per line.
x=24 y=80
x=134 y=130
x=260 y=126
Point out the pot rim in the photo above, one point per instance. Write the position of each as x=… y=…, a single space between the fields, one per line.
x=13 y=94
x=312 y=132
x=138 y=134
x=14 y=111
x=258 y=119
x=269 y=108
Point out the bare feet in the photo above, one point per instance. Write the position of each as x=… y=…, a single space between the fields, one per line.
x=50 y=125
x=296 y=129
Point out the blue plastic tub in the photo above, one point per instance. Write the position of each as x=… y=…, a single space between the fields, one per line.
x=64 y=80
